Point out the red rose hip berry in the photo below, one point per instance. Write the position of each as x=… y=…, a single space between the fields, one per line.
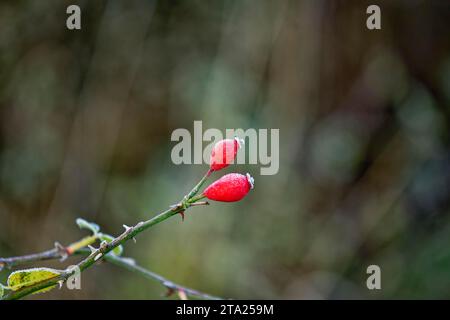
x=229 y=188
x=223 y=153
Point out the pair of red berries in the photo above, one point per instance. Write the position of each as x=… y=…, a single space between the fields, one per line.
x=233 y=186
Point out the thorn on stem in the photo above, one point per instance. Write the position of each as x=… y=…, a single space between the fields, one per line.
x=63 y=251
x=59 y=246
x=182 y=294
x=98 y=256
x=177 y=206
x=182 y=215
x=169 y=292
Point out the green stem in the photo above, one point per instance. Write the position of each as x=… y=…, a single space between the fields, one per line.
x=196 y=198
x=195 y=190
x=105 y=248
x=79 y=247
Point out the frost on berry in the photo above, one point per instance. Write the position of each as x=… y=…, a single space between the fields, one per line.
x=231 y=187
x=224 y=152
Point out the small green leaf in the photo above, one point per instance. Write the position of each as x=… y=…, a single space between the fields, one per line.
x=117 y=250
x=83 y=224
x=24 y=278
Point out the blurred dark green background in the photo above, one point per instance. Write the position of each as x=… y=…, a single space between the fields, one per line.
x=86 y=118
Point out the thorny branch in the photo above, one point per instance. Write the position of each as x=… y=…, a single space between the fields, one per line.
x=103 y=250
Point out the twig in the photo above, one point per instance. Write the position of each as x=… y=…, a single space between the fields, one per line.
x=58 y=252
x=15 y=261
x=105 y=248
x=171 y=286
